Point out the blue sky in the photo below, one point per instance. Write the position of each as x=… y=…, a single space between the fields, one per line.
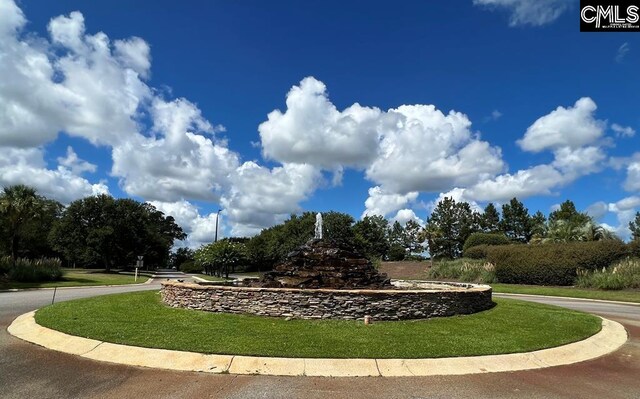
x=173 y=104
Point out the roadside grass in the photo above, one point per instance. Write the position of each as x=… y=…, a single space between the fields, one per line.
x=629 y=295
x=473 y=270
x=79 y=277
x=141 y=319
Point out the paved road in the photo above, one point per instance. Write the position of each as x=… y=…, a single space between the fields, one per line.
x=28 y=371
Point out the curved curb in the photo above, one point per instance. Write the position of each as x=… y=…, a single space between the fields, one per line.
x=611 y=337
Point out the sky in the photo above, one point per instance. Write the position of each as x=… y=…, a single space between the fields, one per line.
x=263 y=109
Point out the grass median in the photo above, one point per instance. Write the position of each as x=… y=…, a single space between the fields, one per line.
x=141 y=319
x=78 y=278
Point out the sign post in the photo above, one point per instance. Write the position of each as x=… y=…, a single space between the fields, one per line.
x=138 y=266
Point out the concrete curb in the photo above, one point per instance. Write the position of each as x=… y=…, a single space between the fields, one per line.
x=610 y=338
x=507 y=294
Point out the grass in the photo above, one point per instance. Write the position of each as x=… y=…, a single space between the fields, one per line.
x=141 y=319
x=570 y=292
x=79 y=277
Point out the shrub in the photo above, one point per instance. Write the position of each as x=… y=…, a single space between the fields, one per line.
x=476 y=252
x=465 y=270
x=44 y=269
x=190 y=267
x=633 y=248
x=476 y=239
x=552 y=263
x=397 y=253
x=623 y=274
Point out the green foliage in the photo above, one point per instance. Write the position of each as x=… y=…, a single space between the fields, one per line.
x=566 y=231
x=448 y=227
x=552 y=264
x=538 y=225
x=180 y=256
x=464 y=270
x=25 y=221
x=372 y=236
x=476 y=252
x=516 y=222
x=634 y=226
x=110 y=232
x=26 y=270
x=633 y=248
x=568 y=213
x=396 y=252
x=620 y=275
x=220 y=258
x=490 y=219
x=338 y=227
x=485 y=239
x=190 y=266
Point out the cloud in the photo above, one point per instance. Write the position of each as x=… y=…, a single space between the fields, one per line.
x=430 y=151
x=76 y=165
x=529 y=12
x=570 y=127
x=260 y=197
x=27 y=166
x=200 y=229
x=623 y=131
x=313 y=131
x=597 y=210
x=622 y=52
x=404 y=215
x=382 y=203
x=179 y=162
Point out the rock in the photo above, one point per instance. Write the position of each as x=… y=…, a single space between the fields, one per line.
x=324 y=264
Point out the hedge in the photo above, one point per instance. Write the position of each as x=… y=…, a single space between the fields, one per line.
x=476 y=239
x=552 y=263
x=476 y=252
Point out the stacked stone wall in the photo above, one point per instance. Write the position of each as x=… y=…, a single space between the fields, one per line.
x=392 y=304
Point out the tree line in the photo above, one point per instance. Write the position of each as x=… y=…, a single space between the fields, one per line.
x=97 y=231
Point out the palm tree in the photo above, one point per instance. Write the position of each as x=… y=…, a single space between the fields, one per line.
x=18 y=205
x=593 y=232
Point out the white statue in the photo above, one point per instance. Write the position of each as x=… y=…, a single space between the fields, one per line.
x=318 y=235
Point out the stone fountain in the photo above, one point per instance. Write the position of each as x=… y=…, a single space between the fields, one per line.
x=324 y=279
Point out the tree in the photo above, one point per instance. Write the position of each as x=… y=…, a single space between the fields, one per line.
x=372 y=236
x=413 y=241
x=221 y=258
x=516 y=222
x=449 y=226
x=568 y=213
x=490 y=219
x=538 y=225
x=634 y=226
x=180 y=256
x=25 y=221
x=103 y=230
x=338 y=226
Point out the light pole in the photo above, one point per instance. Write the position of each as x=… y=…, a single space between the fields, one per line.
x=217 y=217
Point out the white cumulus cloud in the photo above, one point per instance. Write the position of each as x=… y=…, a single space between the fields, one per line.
x=529 y=12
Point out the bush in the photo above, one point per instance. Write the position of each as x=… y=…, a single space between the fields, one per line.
x=553 y=263
x=26 y=270
x=397 y=253
x=476 y=252
x=623 y=274
x=190 y=267
x=465 y=270
x=476 y=239
x=633 y=248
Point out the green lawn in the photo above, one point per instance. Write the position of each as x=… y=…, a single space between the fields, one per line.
x=141 y=319
x=80 y=277
x=622 y=295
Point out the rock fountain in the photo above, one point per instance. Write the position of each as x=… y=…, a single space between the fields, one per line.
x=324 y=279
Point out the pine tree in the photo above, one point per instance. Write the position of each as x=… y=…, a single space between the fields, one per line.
x=634 y=226
x=490 y=219
x=516 y=222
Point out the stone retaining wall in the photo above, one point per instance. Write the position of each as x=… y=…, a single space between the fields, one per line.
x=329 y=304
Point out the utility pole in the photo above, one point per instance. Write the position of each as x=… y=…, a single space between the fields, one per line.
x=217 y=217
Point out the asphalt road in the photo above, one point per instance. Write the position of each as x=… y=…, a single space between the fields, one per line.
x=29 y=371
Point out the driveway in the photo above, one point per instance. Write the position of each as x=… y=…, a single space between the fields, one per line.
x=28 y=371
